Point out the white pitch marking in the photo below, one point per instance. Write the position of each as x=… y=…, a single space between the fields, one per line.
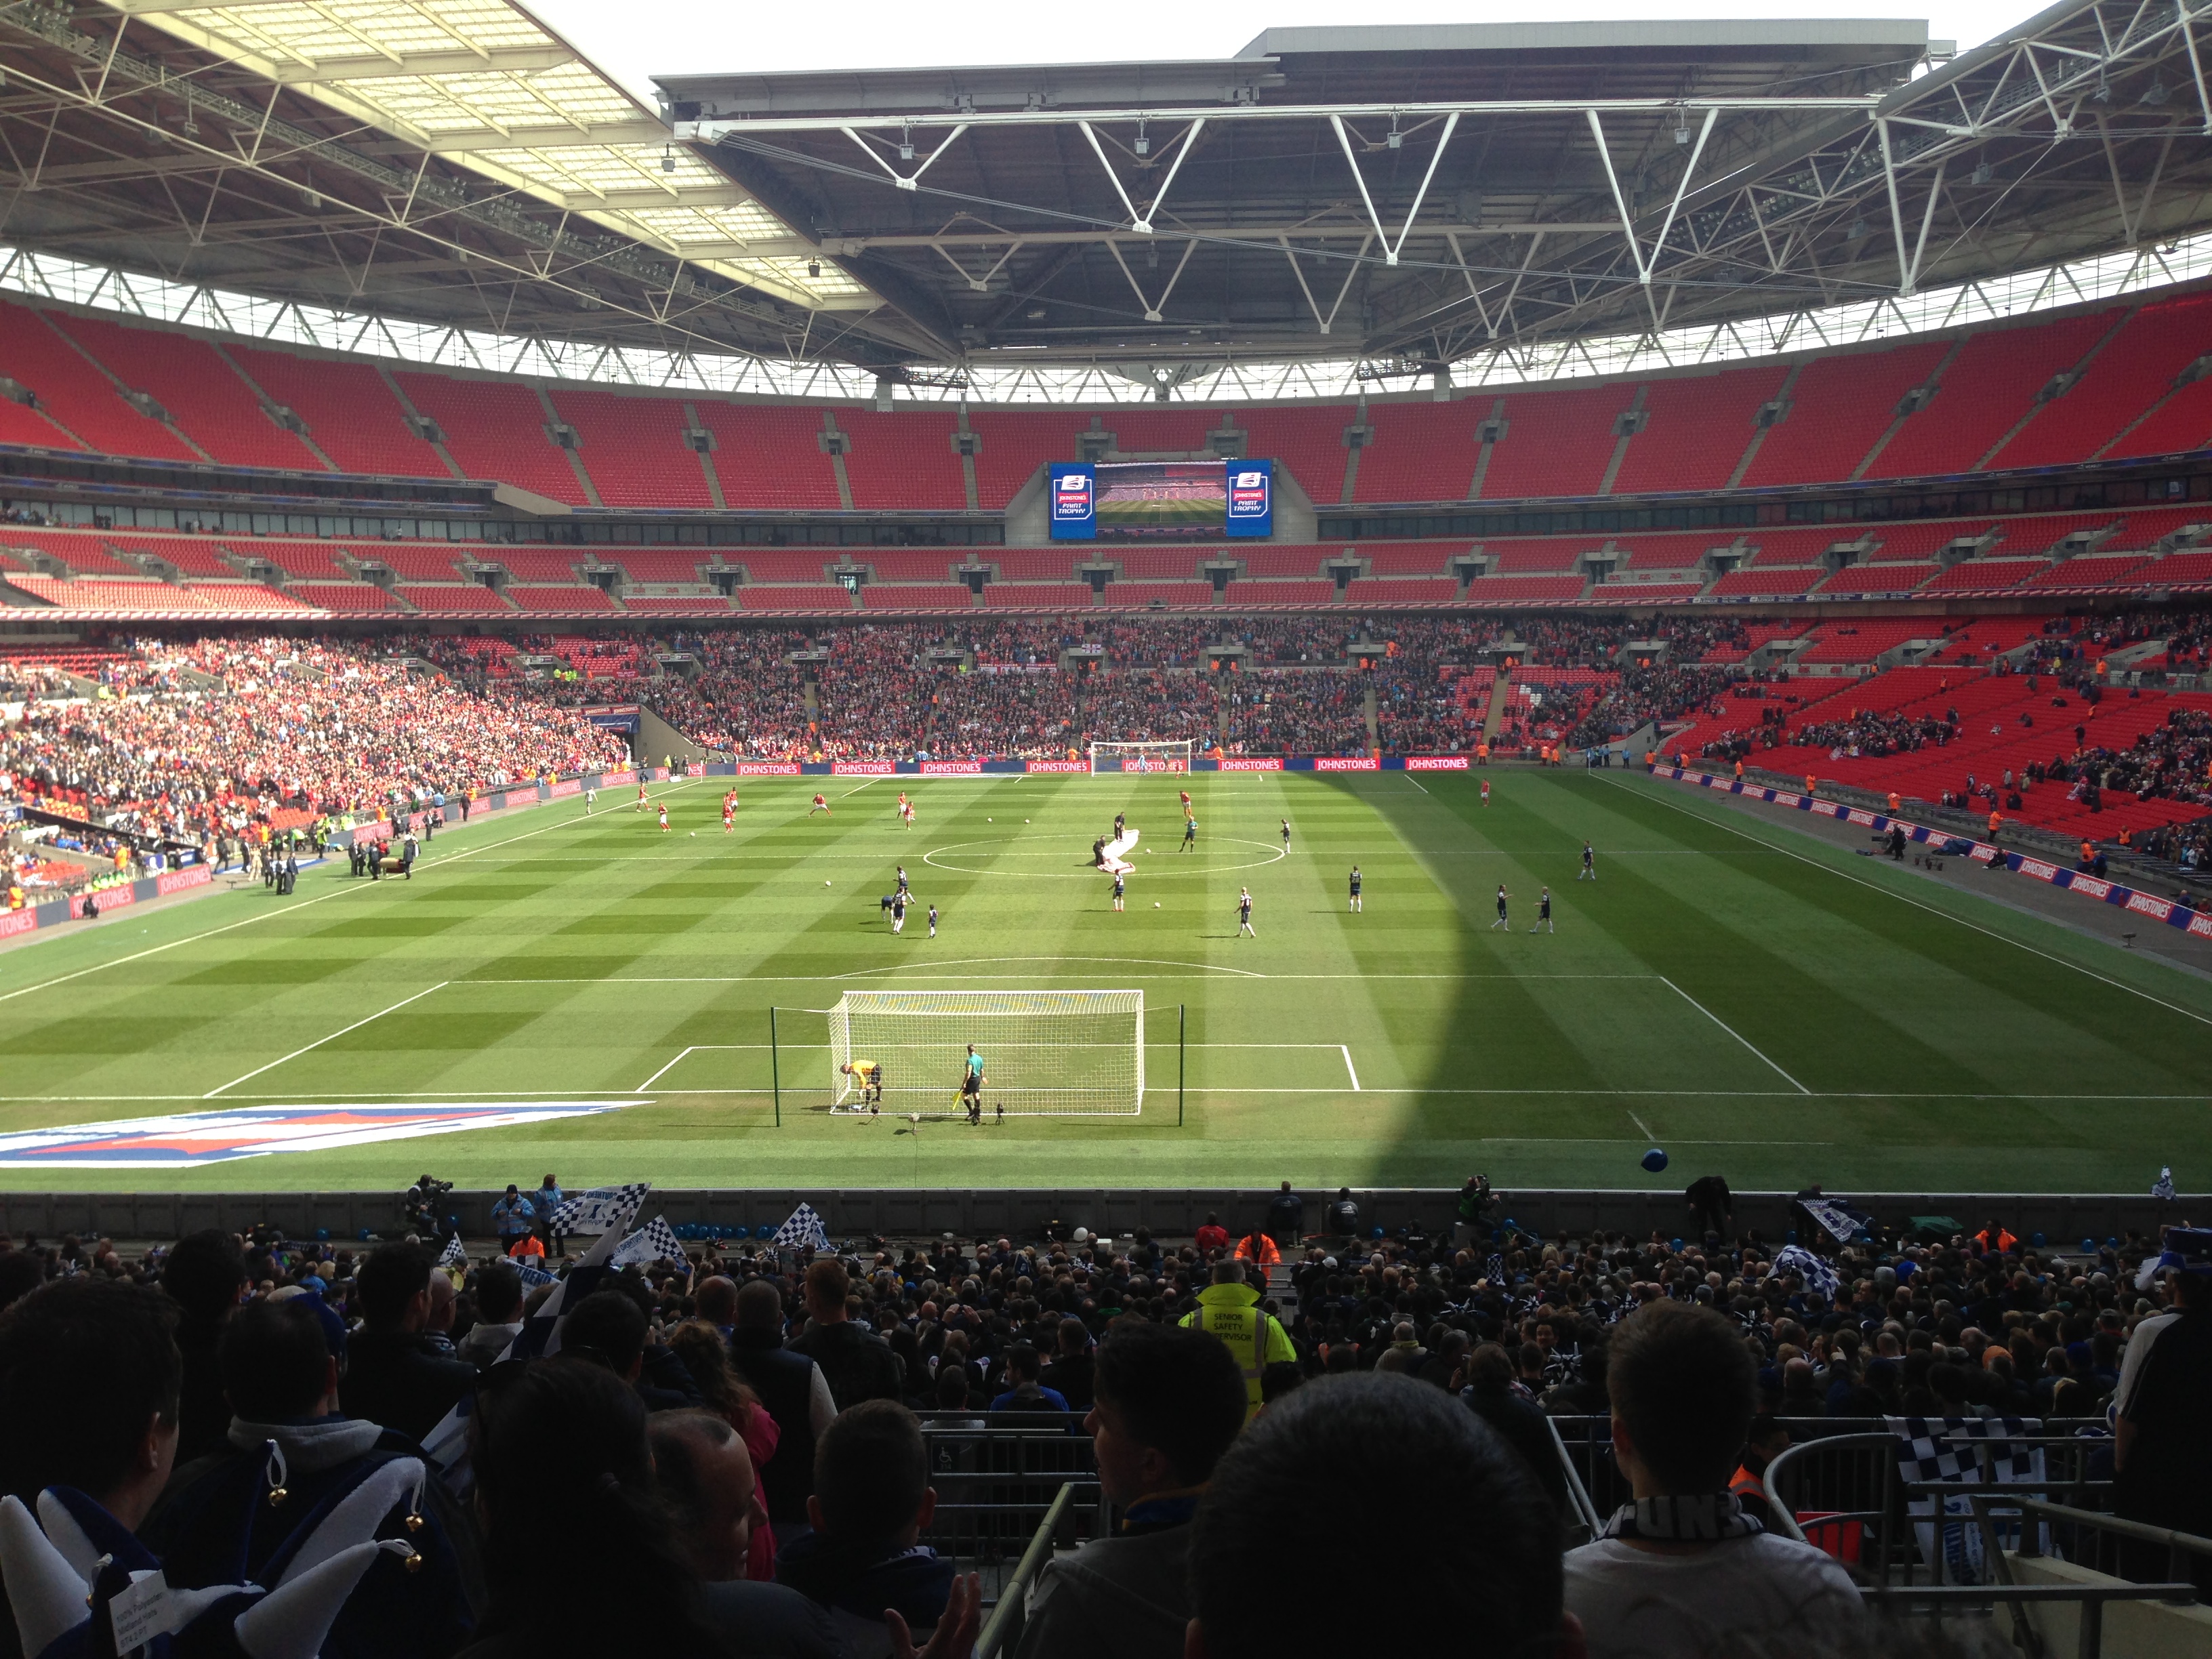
x=1733 y=1032
x=1642 y=1125
x=1344 y=1049
x=705 y=1047
x=320 y=1040
x=1411 y=779
x=1722 y=823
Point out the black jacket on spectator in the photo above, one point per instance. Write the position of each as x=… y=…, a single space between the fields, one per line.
x=392 y=1378
x=1523 y=1427
x=218 y=1522
x=203 y=1413
x=784 y=1380
x=1070 y=1377
x=857 y=1364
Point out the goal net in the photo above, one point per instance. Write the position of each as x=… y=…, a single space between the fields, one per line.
x=1141 y=756
x=1046 y=1053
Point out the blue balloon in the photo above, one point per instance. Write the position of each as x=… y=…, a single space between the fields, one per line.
x=1654 y=1160
x=1377 y=1233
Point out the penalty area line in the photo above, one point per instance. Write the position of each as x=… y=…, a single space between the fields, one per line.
x=707 y=1047
x=320 y=1040
x=1346 y=1050
x=1733 y=1032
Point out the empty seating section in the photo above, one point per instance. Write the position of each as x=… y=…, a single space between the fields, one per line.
x=1153 y=564
x=201 y=393
x=1309 y=441
x=313 y=561
x=2090 y=571
x=147 y=597
x=1400 y=590
x=1862 y=640
x=1524 y=590
x=653 y=564
x=75 y=393
x=1794 y=547
x=21 y=424
x=1839 y=408
x=1755 y=635
x=904 y=460
x=2181 y=424
x=412 y=561
x=347 y=409
x=1556 y=443
x=2132 y=371
x=85 y=553
x=1985 y=637
x=1289 y=563
x=470 y=600
x=1420 y=452
x=916 y=596
x=1023 y=564
x=496 y=429
x=1523 y=558
x=1418 y=559
x=1011 y=445
x=1924 y=541
x=575 y=598
x=344 y=596
x=891 y=566
x=1985 y=575
x=1695 y=431
x=1182 y=595
x=1989 y=386
x=769 y=455
x=1642 y=553
x=190 y=557
x=1875 y=578
x=1031 y=596
x=769 y=565
x=2177 y=570
x=633 y=448
x=1178 y=432
x=827 y=597
x=1763 y=580
x=532 y=565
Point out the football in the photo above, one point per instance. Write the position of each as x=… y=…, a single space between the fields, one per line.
x=1155 y=904
x=825 y=883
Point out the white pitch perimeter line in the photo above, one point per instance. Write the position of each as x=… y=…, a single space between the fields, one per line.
x=1733 y=1032
x=1902 y=898
x=1344 y=1049
x=320 y=1040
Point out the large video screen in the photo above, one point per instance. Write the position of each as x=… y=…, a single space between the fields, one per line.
x=1161 y=500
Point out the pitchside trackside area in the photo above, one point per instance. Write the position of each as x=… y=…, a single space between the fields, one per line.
x=1751 y=999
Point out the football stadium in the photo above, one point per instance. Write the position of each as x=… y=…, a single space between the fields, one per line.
x=1497 y=735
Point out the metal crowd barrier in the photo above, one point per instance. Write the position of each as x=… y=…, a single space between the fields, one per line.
x=1004 y=1631
x=1002 y=1481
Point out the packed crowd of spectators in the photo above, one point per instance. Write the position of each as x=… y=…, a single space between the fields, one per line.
x=208 y=736
x=726 y=1455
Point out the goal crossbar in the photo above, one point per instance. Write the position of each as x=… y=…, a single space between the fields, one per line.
x=1165 y=756
x=1045 y=1054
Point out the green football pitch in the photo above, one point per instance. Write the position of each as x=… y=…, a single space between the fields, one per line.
x=1753 y=1000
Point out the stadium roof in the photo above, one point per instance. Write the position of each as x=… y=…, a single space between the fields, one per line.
x=1370 y=203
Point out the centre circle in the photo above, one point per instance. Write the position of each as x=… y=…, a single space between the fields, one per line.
x=1163 y=864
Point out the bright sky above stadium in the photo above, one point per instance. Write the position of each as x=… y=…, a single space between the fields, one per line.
x=634 y=41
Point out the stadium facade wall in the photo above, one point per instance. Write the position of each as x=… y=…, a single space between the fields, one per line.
x=2064 y=1219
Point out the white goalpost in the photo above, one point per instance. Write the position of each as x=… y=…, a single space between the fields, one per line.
x=1166 y=756
x=1046 y=1053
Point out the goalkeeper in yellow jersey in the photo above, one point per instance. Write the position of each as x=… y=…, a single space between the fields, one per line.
x=867 y=1077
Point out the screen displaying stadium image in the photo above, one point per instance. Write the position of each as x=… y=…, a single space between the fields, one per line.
x=1161 y=500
